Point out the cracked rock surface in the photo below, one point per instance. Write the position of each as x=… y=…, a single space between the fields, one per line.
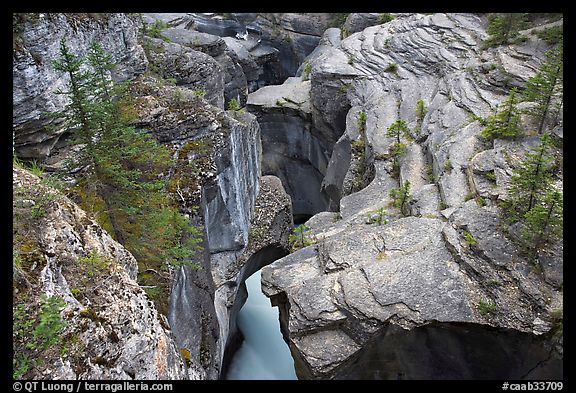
x=402 y=298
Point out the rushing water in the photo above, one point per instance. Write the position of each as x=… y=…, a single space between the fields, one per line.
x=263 y=354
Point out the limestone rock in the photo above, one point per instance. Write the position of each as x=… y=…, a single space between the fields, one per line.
x=113 y=330
x=446 y=278
x=37 y=44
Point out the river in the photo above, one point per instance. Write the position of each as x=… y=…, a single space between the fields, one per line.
x=263 y=354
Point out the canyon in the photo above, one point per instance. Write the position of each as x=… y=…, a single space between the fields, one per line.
x=381 y=292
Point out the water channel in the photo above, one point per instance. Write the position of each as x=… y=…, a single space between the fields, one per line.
x=263 y=354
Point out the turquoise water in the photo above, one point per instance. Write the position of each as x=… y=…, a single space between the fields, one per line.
x=264 y=354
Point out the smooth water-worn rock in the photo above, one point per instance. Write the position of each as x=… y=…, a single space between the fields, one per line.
x=112 y=329
x=379 y=287
x=292 y=149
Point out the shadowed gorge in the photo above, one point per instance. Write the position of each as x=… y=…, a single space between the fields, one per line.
x=324 y=196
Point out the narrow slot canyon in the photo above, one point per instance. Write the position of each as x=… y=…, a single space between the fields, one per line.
x=300 y=197
x=257 y=348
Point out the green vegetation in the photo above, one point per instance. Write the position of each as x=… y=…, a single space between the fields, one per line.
x=486 y=307
x=155 y=30
x=339 y=19
x=94 y=263
x=469 y=239
x=533 y=199
x=392 y=67
x=199 y=93
x=420 y=110
x=448 y=165
x=396 y=130
x=545 y=88
x=385 y=18
x=34 y=334
x=300 y=238
x=503 y=28
x=544 y=221
x=307 y=70
x=361 y=120
x=401 y=197
x=552 y=35
x=490 y=175
x=481 y=201
x=531 y=179
x=506 y=123
x=378 y=216
x=443 y=205
x=122 y=183
x=234 y=105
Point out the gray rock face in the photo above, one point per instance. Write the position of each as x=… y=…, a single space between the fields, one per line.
x=35 y=81
x=113 y=330
x=378 y=293
x=356 y=22
x=229 y=201
x=270 y=226
x=190 y=68
x=293 y=150
x=224 y=150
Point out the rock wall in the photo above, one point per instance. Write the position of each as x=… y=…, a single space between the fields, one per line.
x=112 y=330
x=379 y=293
x=34 y=81
x=293 y=150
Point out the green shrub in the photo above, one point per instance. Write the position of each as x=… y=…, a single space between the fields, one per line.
x=469 y=239
x=234 y=105
x=385 y=18
x=490 y=175
x=448 y=165
x=392 y=67
x=420 y=110
x=552 y=35
x=307 y=70
x=361 y=120
x=401 y=197
x=486 y=307
x=378 y=217
x=300 y=237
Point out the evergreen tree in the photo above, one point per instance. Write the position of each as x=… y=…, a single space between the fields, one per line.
x=401 y=196
x=544 y=221
x=503 y=28
x=76 y=113
x=545 y=88
x=121 y=182
x=396 y=130
x=530 y=180
x=505 y=123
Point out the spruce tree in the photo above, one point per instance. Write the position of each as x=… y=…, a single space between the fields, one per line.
x=76 y=113
x=505 y=123
x=396 y=130
x=400 y=197
x=121 y=181
x=503 y=28
x=545 y=88
x=544 y=222
x=530 y=180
